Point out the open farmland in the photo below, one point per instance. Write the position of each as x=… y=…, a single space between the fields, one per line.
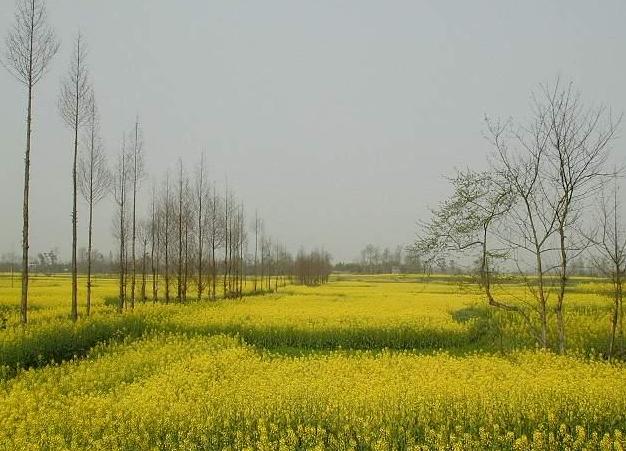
x=364 y=362
x=312 y=226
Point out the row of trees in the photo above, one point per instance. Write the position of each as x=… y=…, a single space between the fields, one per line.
x=375 y=260
x=549 y=196
x=192 y=235
x=31 y=44
x=195 y=241
x=313 y=268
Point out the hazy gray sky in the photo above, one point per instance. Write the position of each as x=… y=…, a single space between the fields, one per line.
x=337 y=120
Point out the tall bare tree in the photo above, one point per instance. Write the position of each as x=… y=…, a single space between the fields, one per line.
x=188 y=225
x=610 y=259
x=137 y=171
x=215 y=237
x=120 y=195
x=74 y=109
x=256 y=248
x=154 y=245
x=167 y=212
x=200 y=196
x=30 y=46
x=579 y=140
x=226 y=236
x=181 y=218
x=94 y=178
x=519 y=162
x=242 y=249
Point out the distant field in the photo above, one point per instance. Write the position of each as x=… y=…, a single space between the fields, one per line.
x=365 y=362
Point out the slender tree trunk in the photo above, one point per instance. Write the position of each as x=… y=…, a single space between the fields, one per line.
x=90 y=201
x=213 y=269
x=226 y=241
x=186 y=265
x=122 y=299
x=200 y=237
x=153 y=245
x=25 y=206
x=133 y=257
x=214 y=213
x=120 y=305
x=89 y=244
x=143 y=272
x=166 y=233
x=614 y=320
x=276 y=271
x=256 y=247
x=242 y=274
x=620 y=319
x=122 y=205
x=543 y=307
x=262 y=278
x=157 y=271
x=269 y=267
x=561 y=293
x=126 y=276
x=213 y=245
x=180 y=236
x=74 y=213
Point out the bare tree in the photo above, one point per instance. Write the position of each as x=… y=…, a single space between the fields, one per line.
x=277 y=268
x=215 y=237
x=266 y=257
x=519 y=162
x=262 y=249
x=154 y=245
x=167 y=212
x=94 y=178
x=579 y=140
x=200 y=196
x=137 y=170
x=610 y=259
x=188 y=225
x=181 y=214
x=120 y=195
x=242 y=249
x=256 y=247
x=74 y=109
x=226 y=236
x=143 y=233
x=30 y=46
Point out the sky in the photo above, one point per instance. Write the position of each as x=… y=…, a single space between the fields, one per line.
x=337 y=121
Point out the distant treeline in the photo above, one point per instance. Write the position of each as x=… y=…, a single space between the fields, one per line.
x=377 y=260
x=313 y=268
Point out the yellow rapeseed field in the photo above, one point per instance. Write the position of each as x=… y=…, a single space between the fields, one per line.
x=378 y=362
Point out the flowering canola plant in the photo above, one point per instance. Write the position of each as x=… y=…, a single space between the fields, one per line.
x=362 y=363
x=178 y=392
